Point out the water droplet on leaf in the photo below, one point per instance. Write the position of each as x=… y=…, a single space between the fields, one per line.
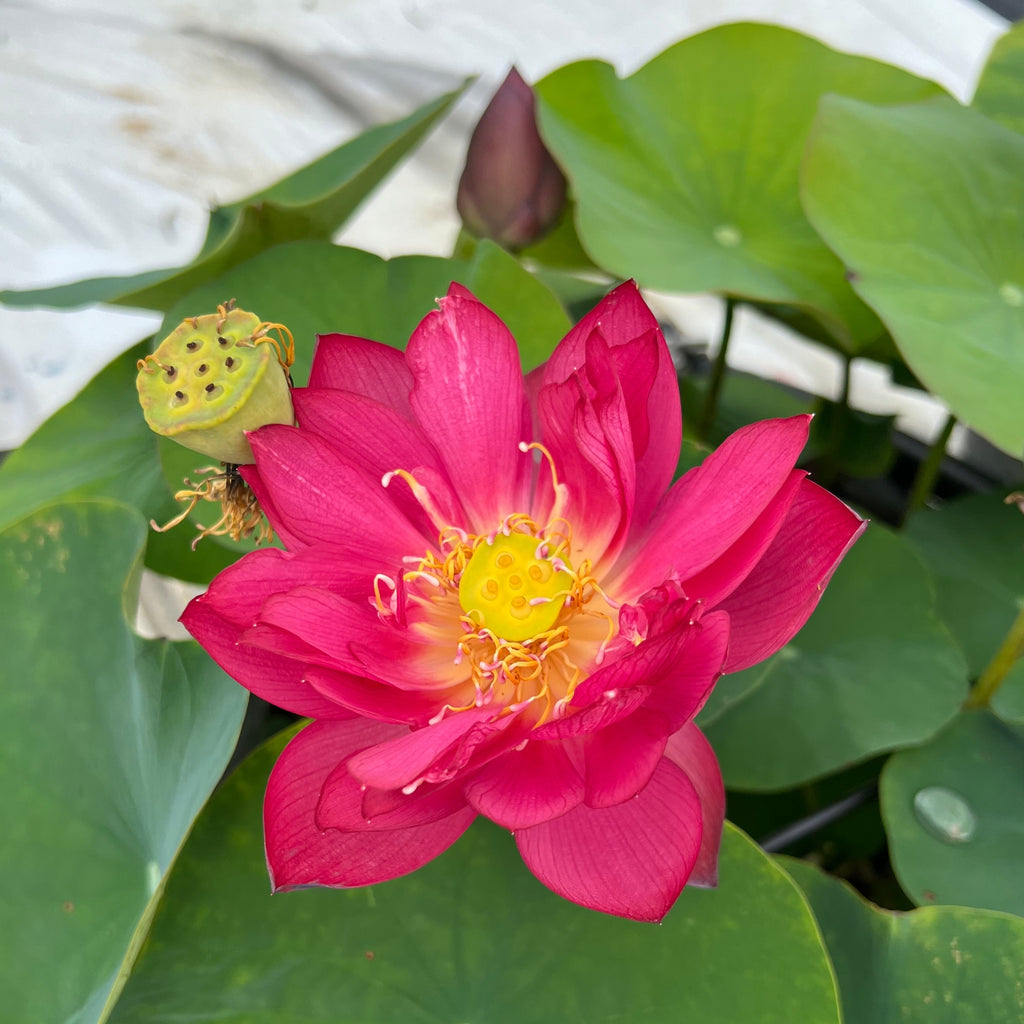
x=945 y=814
x=1011 y=294
x=728 y=235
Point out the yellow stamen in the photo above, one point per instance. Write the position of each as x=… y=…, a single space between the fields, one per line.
x=519 y=603
x=561 y=491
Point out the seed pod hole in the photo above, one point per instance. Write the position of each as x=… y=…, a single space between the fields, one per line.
x=202 y=369
x=223 y=342
x=193 y=345
x=171 y=371
x=212 y=391
x=231 y=364
x=179 y=398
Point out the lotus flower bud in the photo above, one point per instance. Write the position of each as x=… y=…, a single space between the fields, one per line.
x=511 y=190
x=213 y=378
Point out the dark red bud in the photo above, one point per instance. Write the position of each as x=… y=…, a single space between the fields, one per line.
x=511 y=189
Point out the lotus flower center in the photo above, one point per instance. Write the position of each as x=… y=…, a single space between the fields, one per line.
x=514 y=587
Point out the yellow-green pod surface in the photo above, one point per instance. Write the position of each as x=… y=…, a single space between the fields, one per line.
x=210 y=381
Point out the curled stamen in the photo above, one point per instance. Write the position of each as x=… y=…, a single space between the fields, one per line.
x=284 y=343
x=419 y=492
x=241 y=515
x=378 y=600
x=144 y=365
x=416 y=574
x=561 y=492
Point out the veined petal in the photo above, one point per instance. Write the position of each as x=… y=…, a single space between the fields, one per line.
x=622 y=758
x=349 y=633
x=374 y=437
x=689 y=749
x=401 y=761
x=712 y=506
x=718 y=580
x=240 y=590
x=620 y=316
x=612 y=417
x=470 y=399
x=603 y=710
x=632 y=859
x=775 y=600
x=377 y=700
x=365 y=367
x=528 y=786
x=647 y=664
x=684 y=688
x=299 y=853
x=585 y=422
x=648 y=379
x=480 y=744
x=343 y=804
x=251 y=475
x=321 y=496
x=278 y=680
x=573 y=433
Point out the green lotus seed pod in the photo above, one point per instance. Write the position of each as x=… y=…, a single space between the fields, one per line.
x=213 y=378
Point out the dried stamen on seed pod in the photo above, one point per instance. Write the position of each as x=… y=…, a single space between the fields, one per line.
x=241 y=515
x=211 y=381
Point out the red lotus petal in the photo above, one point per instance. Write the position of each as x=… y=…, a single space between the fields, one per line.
x=278 y=680
x=372 y=436
x=320 y=496
x=636 y=370
x=776 y=599
x=587 y=466
x=401 y=761
x=470 y=400
x=648 y=379
x=481 y=743
x=378 y=700
x=621 y=316
x=526 y=787
x=364 y=367
x=585 y=423
x=343 y=805
x=239 y=591
x=691 y=751
x=622 y=758
x=716 y=582
x=612 y=416
x=681 y=662
x=683 y=690
x=349 y=633
x=632 y=859
x=604 y=710
x=713 y=505
x=251 y=475
x=301 y=854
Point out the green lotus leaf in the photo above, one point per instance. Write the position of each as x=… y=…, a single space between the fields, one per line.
x=685 y=174
x=925 y=206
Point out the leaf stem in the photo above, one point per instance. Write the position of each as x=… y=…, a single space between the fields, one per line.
x=992 y=678
x=717 y=373
x=844 y=398
x=928 y=471
x=816 y=821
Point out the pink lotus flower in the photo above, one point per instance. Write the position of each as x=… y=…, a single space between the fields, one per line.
x=493 y=602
